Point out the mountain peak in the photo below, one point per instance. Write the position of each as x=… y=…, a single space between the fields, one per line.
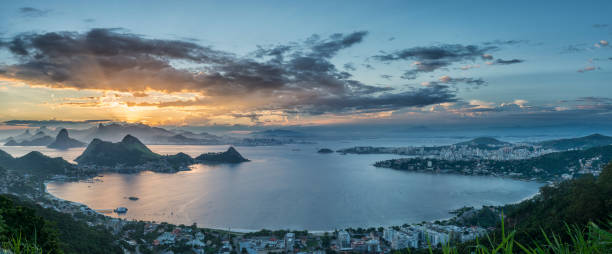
x=596 y=135
x=63 y=134
x=231 y=149
x=482 y=141
x=230 y=156
x=130 y=151
x=130 y=139
x=63 y=141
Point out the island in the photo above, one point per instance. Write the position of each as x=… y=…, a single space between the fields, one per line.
x=325 y=150
x=130 y=155
x=229 y=156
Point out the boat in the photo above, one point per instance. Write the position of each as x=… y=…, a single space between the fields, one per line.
x=133 y=198
x=121 y=210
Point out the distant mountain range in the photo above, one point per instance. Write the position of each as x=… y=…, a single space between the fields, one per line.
x=156 y=136
x=594 y=140
x=41 y=141
x=585 y=142
x=27 y=139
x=280 y=133
x=42 y=138
x=486 y=141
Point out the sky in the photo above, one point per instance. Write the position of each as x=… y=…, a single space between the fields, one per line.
x=305 y=63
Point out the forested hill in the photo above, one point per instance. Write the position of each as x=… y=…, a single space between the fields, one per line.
x=36 y=163
x=577 y=143
x=53 y=231
x=130 y=151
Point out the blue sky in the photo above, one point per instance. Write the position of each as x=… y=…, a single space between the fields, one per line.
x=552 y=41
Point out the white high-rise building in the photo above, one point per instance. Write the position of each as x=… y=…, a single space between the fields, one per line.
x=289 y=242
x=344 y=240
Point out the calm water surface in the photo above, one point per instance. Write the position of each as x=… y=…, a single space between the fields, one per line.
x=288 y=187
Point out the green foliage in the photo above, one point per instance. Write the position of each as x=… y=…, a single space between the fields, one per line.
x=575 y=202
x=53 y=231
x=276 y=233
x=22 y=225
x=594 y=240
x=541 y=225
x=17 y=245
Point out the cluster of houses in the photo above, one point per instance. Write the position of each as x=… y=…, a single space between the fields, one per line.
x=429 y=234
x=364 y=243
x=507 y=152
x=290 y=243
x=185 y=235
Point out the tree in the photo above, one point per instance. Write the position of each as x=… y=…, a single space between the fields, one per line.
x=22 y=222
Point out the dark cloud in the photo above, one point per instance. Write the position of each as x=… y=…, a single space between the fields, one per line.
x=296 y=75
x=428 y=59
x=338 y=41
x=505 y=42
x=506 y=62
x=591 y=103
x=386 y=76
x=254 y=117
x=369 y=66
x=51 y=122
x=32 y=12
x=426 y=66
x=593 y=99
x=416 y=97
x=349 y=67
x=451 y=52
x=391 y=39
x=472 y=83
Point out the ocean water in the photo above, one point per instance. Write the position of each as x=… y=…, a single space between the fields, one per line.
x=288 y=187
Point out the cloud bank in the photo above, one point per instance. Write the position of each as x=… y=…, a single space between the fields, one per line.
x=429 y=59
x=297 y=77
